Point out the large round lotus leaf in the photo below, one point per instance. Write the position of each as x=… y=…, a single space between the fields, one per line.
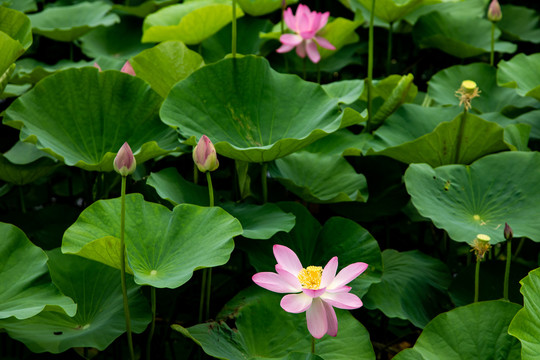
x=20 y=5
x=413 y=287
x=31 y=71
x=521 y=72
x=472 y=9
x=83 y=117
x=15 y=37
x=493 y=98
x=320 y=178
x=120 y=41
x=265 y=331
x=460 y=36
x=347 y=91
x=25 y=284
x=163 y=247
x=392 y=10
x=473 y=332
x=190 y=22
x=143 y=7
x=520 y=24
x=316 y=245
x=250 y=112
x=67 y=23
x=406 y=137
x=27 y=173
x=100 y=310
x=526 y=324
x=258 y=221
x=262 y=7
x=165 y=64
x=478 y=199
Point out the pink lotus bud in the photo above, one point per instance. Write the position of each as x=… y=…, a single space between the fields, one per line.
x=128 y=69
x=204 y=155
x=494 y=11
x=508 y=233
x=124 y=163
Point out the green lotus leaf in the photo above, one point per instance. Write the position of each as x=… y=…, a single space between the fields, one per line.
x=473 y=332
x=248 y=41
x=320 y=178
x=529 y=118
x=393 y=10
x=190 y=22
x=521 y=72
x=27 y=173
x=413 y=286
x=165 y=64
x=67 y=23
x=470 y=200
x=82 y=117
x=472 y=9
x=520 y=24
x=316 y=245
x=526 y=324
x=20 y=5
x=4 y=78
x=100 y=310
x=347 y=91
x=493 y=98
x=144 y=8
x=460 y=36
x=31 y=71
x=339 y=32
x=12 y=90
x=406 y=137
x=15 y=37
x=281 y=334
x=163 y=248
x=262 y=7
x=250 y=112
x=120 y=41
x=258 y=222
x=26 y=288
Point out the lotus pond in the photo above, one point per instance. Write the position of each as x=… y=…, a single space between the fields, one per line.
x=270 y=179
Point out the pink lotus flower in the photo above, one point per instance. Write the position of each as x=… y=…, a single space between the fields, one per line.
x=317 y=290
x=127 y=68
x=305 y=24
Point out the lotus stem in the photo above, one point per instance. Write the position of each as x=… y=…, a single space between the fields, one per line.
x=153 y=325
x=389 y=51
x=207 y=273
x=210 y=189
x=264 y=184
x=233 y=45
x=123 y=267
x=460 y=135
x=477 y=280
x=492 y=54
x=203 y=292
x=208 y=291
x=370 y=67
x=195 y=174
x=507 y=270
x=312 y=345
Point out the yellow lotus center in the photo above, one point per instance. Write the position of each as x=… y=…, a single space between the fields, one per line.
x=310 y=277
x=483 y=237
x=468 y=85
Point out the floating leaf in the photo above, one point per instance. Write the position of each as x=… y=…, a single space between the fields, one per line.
x=83 y=116
x=26 y=288
x=234 y=102
x=258 y=221
x=401 y=137
x=526 y=324
x=460 y=36
x=521 y=72
x=316 y=245
x=520 y=24
x=413 y=286
x=281 y=334
x=473 y=332
x=262 y=7
x=67 y=23
x=493 y=98
x=470 y=200
x=163 y=247
x=190 y=22
x=320 y=178
x=100 y=310
x=165 y=64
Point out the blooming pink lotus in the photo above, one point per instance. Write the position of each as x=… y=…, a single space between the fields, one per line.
x=305 y=24
x=317 y=290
